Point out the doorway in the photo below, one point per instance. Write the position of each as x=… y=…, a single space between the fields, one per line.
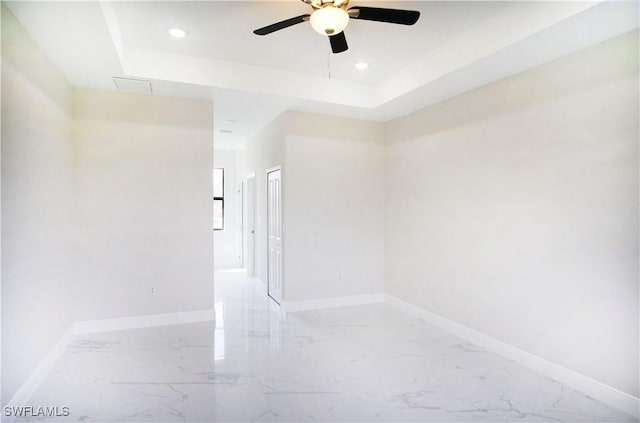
x=241 y=219
x=250 y=225
x=274 y=233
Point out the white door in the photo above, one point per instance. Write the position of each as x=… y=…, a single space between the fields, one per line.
x=274 y=233
x=240 y=200
x=251 y=225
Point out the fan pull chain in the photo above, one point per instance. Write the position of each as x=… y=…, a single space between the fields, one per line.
x=329 y=65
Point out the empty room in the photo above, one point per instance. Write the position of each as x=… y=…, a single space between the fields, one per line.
x=320 y=211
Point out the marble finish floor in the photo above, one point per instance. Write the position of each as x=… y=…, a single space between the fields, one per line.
x=350 y=364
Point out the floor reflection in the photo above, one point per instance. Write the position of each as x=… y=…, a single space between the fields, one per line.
x=358 y=364
x=218 y=337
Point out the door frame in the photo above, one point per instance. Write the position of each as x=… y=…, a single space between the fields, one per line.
x=251 y=225
x=241 y=199
x=266 y=185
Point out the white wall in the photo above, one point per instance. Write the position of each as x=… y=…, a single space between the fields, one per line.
x=145 y=203
x=37 y=194
x=227 y=245
x=263 y=151
x=513 y=209
x=334 y=207
x=104 y=194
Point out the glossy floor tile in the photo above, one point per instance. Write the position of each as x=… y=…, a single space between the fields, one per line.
x=359 y=364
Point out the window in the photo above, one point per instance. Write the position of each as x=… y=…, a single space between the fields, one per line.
x=218 y=199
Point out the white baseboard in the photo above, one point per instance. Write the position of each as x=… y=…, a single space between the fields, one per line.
x=135 y=322
x=220 y=263
x=607 y=394
x=598 y=390
x=291 y=306
x=34 y=380
x=94 y=326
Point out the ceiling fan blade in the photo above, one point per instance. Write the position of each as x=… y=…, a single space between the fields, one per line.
x=396 y=16
x=281 y=25
x=338 y=42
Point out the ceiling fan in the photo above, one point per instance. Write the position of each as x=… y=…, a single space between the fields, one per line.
x=330 y=17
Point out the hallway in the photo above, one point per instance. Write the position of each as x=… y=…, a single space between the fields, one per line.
x=360 y=363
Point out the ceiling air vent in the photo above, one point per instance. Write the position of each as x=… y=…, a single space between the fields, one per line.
x=133 y=85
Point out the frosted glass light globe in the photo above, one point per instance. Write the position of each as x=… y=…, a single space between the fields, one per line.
x=329 y=20
x=177 y=32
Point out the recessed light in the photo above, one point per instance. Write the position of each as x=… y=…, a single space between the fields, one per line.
x=361 y=65
x=177 y=33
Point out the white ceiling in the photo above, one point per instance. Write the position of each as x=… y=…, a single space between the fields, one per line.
x=223 y=31
x=456 y=46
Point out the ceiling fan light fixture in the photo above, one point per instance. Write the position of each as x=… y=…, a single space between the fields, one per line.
x=329 y=20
